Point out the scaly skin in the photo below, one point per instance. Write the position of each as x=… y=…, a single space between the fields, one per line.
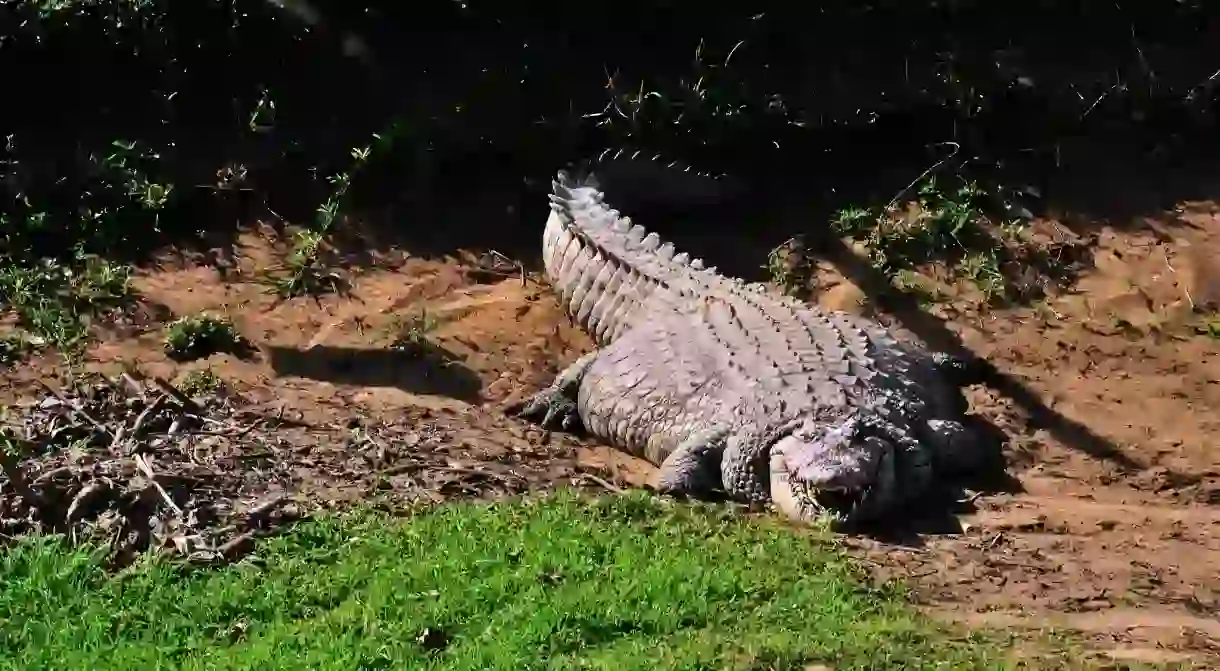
x=727 y=387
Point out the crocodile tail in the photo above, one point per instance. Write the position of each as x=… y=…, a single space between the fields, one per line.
x=607 y=269
x=633 y=179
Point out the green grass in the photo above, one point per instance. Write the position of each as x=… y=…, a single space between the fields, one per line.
x=615 y=583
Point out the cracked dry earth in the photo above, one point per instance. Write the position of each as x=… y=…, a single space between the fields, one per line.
x=1115 y=535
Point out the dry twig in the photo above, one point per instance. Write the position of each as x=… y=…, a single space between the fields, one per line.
x=77 y=410
x=147 y=470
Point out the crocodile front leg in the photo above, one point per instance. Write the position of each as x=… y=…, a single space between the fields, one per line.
x=555 y=406
x=693 y=468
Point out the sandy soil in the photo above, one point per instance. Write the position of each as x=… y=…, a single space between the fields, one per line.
x=1113 y=529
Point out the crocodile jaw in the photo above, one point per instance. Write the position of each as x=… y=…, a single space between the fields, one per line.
x=830 y=475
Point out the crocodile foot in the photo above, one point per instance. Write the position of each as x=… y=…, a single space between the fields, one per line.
x=693 y=468
x=551 y=408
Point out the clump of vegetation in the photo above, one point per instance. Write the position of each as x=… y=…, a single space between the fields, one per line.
x=56 y=301
x=57 y=263
x=14 y=346
x=200 y=336
x=305 y=271
x=1208 y=324
x=412 y=334
x=201 y=382
x=948 y=222
x=790 y=268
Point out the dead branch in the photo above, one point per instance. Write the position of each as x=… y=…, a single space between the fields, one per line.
x=607 y=485
x=77 y=410
x=259 y=512
x=146 y=469
x=185 y=401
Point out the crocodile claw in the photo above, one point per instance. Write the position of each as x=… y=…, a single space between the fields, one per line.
x=552 y=409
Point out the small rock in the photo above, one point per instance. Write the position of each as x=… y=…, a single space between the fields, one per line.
x=432 y=638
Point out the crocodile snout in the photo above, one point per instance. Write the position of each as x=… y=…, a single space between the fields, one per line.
x=819 y=471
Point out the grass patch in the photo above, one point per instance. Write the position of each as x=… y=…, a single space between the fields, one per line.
x=616 y=583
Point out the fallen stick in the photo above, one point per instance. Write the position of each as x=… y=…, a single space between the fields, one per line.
x=187 y=402
x=611 y=487
x=256 y=513
x=77 y=410
x=134 y=433
x=147 y=470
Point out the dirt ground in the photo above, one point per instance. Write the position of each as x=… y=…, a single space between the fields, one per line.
x=1115 y=529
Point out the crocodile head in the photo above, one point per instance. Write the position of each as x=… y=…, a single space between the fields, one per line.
x=845 y=472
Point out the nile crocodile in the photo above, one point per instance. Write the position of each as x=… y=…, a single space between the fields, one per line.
x=731 y=389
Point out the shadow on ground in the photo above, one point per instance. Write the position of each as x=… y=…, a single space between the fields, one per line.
x=933 y=331
x=431 y=371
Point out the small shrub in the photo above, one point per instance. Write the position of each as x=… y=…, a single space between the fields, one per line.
x=411 y=333
x=200 y=336
x=202 y=382
x=54 y=301
x=790 y=268
x=946 y=222
x=304 y=272
x=14 y=347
